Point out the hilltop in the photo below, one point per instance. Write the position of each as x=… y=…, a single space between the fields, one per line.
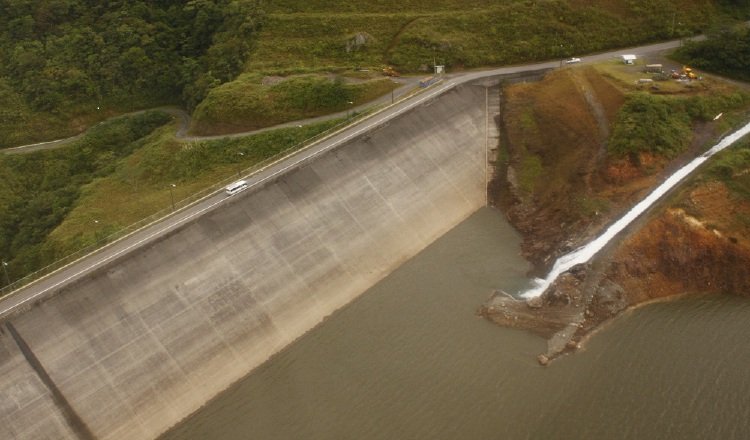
x=357 y=39
x=67 y=65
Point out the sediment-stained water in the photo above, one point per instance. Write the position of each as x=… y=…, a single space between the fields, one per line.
x=410 y=360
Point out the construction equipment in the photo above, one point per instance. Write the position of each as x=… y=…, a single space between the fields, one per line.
x=389 y=71
x=688 y=72
x=685 y=73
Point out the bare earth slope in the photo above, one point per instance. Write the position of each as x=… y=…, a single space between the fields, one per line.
x=559 y=187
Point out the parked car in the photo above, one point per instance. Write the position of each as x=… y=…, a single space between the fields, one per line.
x=573 y=61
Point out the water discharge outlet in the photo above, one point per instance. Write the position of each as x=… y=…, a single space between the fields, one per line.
x=584 y=254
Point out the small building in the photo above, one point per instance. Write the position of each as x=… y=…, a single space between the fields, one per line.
x=629 y=59
x=654 y=68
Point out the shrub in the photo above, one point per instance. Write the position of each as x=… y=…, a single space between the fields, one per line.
x=727 y=53
x=648 y=123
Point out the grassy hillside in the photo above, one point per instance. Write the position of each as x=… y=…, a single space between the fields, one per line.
x=41 y=189
x=250 y=102
x=409 y=35
x=62 y=69
x=335 y=36
x=66 y=63
x=119 y=176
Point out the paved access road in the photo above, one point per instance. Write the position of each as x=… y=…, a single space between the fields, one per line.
x=49 y=284
x=407 y=84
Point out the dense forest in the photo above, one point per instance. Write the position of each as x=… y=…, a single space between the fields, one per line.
x=39 y=190
x=726 y=52
x=57 y=56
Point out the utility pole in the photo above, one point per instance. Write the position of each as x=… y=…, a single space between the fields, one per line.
x=171 y=193
x=239 y=164
x=5 y=269
x=96 y=231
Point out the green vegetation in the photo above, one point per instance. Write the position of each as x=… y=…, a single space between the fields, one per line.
x=649 y=123
x=67 y=64
x=247 y=103
x=587 y=207
x=469 y=33
x=63 y=60
x=528 y=175
x=726 y=53
x=732 y=167
x=662 y=124
x=60 y=201
x=40 y=189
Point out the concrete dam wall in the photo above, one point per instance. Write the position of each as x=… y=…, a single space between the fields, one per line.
x=135 y=347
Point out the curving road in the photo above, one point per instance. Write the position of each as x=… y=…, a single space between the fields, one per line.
x=39 y=289
x=407 y=85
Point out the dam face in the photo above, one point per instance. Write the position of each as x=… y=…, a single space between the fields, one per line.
x=135 y=347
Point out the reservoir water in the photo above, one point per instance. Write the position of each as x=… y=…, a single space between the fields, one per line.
x=409 y=359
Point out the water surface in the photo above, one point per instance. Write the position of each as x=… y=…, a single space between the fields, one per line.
x=410 y=359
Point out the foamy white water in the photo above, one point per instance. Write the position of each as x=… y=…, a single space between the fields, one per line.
x=584 y=254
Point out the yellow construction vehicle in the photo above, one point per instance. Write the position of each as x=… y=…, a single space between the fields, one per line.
x=688 y=72
x=389 y=71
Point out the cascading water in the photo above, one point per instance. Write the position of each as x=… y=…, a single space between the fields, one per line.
x=584 y=254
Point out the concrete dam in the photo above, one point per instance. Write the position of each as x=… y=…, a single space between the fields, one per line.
x=138 y=345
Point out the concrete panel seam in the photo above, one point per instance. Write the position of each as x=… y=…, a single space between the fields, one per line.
x=77 y=424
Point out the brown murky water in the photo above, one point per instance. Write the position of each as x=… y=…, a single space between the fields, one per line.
x=410 y=360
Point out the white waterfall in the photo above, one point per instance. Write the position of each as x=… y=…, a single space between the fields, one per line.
x=584 y=254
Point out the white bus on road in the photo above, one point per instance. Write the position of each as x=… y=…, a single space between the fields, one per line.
x=236 y=187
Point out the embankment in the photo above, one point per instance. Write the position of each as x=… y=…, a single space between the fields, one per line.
x=135 y=347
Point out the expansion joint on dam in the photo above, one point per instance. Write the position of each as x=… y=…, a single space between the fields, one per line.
x=76 y=423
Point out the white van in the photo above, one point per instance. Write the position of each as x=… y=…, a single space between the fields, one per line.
x=236 y=187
